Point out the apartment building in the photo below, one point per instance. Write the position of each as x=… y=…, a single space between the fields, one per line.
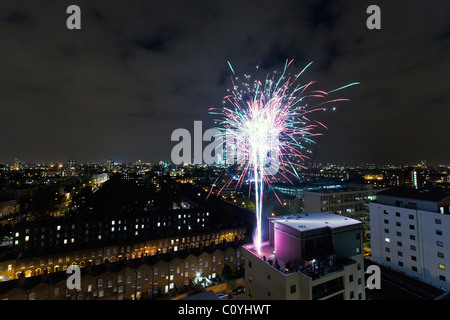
x=309 y=256
x=13 y=266
x=139 y=278
x=351 y=201
x=410 y=233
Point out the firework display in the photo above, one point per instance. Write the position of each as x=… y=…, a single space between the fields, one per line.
x=268 y=127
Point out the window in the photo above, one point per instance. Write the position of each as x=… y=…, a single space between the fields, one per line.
x=413 y=268
x=386 y=230
x=439 y=243
x=411 y=217
x=400 y=264
x=398 y=224
x=386 y=221
x=400 y=254
x=437 y=221
x=399 y=243
x=412 y=237
x=388 y=259
x=440 y=254
x=439 y=232
x=386 y=212
x=399 y=234
x=387 y=249
x=293 y=288
x=441 y=266
x=350 y=278
x=442 y=278
x=413 y=258
x=397 y=214
x=413 y=247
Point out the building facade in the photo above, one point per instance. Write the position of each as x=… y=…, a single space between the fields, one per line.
x=350 y=201
x=309 y=256
x=14 y=268
x=409 y=231
x=139 y=278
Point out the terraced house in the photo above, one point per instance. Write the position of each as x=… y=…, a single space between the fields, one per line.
x=138 y=278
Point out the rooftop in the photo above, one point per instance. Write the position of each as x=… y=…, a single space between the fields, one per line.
x=315 y=220
x=425 y=194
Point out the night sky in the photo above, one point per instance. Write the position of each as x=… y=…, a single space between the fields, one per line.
x=137 y=70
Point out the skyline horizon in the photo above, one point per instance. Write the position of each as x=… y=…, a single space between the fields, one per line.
x=144 y=161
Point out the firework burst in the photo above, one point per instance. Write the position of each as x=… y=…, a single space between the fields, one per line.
x=267 y=127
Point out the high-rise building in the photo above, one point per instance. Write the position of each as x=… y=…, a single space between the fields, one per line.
x=309 y=256
x=16 y=164
x=110 y=165
x=71 y=164
x=410 y=233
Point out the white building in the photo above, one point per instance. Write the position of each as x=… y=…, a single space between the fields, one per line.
x=410 y=232
x=351 y=201
x=309 y=256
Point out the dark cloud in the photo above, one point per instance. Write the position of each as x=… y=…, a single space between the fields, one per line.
x=140 y=69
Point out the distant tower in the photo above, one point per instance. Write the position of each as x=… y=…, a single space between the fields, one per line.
x=110 y=165
x=414 y=179
x=16 y=164
x=424 y=164
x=71 y=164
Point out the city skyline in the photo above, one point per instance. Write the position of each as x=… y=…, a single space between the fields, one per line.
x=117 y=88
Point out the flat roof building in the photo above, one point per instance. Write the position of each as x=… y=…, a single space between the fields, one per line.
x=409 y=231
x=309 y=256
x=351 y=201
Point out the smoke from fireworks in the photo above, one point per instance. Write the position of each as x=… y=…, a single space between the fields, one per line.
x=267 y=126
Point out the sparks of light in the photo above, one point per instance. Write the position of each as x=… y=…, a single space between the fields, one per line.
x=269 y=125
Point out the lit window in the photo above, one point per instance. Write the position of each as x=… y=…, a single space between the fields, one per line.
x=441 y=266
x=387 y=239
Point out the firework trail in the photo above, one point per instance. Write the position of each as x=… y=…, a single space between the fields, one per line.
x=267 y=126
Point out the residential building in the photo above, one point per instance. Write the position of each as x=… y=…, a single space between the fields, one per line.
x=351 y=201
x=135 y=279
x=410 y=233
x=309 y=256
